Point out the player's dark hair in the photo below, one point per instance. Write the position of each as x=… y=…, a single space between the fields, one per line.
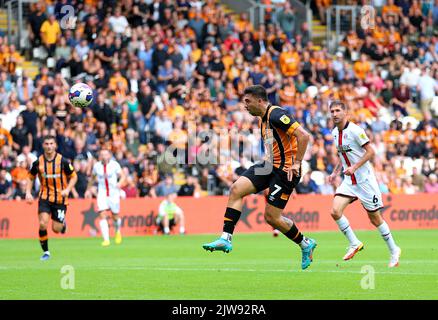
x=257 y=91
x=49 y=137
x=338 y=103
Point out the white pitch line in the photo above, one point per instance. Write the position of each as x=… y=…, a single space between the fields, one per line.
x=260 y=270
x=340 y=261
x=249 y=263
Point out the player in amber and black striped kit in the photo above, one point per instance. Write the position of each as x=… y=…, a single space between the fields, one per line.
x=285 y=144
x=57 y=178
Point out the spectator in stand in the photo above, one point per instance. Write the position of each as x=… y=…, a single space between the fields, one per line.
x=20 y=172
x=121 y=50
x=428 y=89
x=5 y=185
x=82 y=171
x=417 y=148
x=362 y=67
x=286 y=19
x=408 y=187
x=50 y=32
x=190 y=188
x=5 y=136
x=20 y=191
x=166 y=187
x=418 y=179
x=431 y=185
x=36 y=20
x=401 y=100
x=322 y=6
x=327 y=187
x=20 y=135
x=130 y=189
x=27 y=156
x=119 y=24
x=307 y=185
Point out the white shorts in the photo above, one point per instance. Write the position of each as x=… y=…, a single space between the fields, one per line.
x=108 y=203
x=368 y=192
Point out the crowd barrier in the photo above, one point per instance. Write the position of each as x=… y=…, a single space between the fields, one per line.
x=205 y=215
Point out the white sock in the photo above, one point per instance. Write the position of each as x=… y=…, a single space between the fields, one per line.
x=387 y=236
x=182 y=230
x=166 y=230
x=345 y=228
x=47 y=252
x=117 y=224
x=104 y=228
x=304 y=243
x=226 y=236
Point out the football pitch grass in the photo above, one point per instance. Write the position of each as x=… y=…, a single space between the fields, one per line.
x=259 y=267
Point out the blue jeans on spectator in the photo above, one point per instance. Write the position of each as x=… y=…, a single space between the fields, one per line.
x=290 y=36
x=161 y=86
x=403 y=111
x=61 y=63
x=145 y=126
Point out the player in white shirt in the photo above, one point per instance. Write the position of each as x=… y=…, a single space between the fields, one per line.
x=110 y=179
x=360 y=182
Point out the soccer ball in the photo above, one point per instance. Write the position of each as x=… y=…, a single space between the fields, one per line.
x=80 y=95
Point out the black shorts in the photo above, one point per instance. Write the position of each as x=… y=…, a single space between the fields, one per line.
x=56 y=211
x=160 y=224
x=280 y=188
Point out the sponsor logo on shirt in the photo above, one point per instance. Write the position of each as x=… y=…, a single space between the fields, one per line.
x=285 y=119
x=51 y=176
x=344 y=148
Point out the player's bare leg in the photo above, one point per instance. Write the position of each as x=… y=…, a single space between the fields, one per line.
x=104 y=228
x=275 y=232
x=57 y=226
x=166 y=227
x=239 y=189
x=117 y=222
x=179 y=219
x=339 y=205
x=395 y=251
x=274 y=218
x=43 y=219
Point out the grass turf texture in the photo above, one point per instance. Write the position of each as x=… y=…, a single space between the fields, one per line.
x=259 y=267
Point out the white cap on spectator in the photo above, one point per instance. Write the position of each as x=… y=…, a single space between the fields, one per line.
x=323 y=89
x=312 y=91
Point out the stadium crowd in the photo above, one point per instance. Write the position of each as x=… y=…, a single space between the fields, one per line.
x=161 y=70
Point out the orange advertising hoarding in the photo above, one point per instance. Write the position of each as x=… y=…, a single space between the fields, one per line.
x=205 y=215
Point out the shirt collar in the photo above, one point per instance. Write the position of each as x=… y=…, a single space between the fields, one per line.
x=346 y=125
x=265 y=116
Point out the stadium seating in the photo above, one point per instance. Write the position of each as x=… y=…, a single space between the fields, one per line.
x=206 y=92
